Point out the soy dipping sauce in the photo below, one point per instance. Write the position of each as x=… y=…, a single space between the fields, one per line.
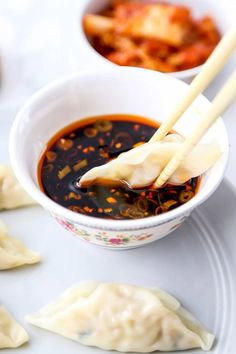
x=92 y=142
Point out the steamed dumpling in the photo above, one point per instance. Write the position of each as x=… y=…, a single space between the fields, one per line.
x=12 y=335
x=12 y=194
x=142 y=165
x=122 y=317
x=13 y=253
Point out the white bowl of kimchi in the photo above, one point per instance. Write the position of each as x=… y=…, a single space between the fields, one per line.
x=167 y=51
x=101 y=92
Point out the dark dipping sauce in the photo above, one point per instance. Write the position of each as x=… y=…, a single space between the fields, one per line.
x=92 y=142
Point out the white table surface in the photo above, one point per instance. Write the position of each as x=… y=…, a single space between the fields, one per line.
x=38 y=43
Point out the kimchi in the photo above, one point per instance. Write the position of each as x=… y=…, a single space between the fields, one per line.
x=154 y=35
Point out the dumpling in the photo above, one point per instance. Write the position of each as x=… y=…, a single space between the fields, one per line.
x=120 y=317
x=12 y=335
x=12 y=251
x=143 y=164
x=12 y=195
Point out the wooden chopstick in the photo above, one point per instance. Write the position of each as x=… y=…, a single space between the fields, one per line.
x=220 y=103
x=209 y=70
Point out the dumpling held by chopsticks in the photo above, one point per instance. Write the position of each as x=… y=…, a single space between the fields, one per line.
x=142 y=165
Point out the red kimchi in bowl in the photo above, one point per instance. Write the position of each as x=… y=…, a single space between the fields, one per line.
x=152 y=34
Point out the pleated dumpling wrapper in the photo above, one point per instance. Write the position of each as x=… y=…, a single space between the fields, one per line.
x=12 y=335
x=142 y=165
x=12 y=195
x=125 y=318
x=13 y=252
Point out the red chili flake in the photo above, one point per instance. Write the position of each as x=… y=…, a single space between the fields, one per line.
x=101 y=141
x=88 y=149
x=65 y=144
x=72 y=195
x=103 y=153
x=118 y=145
x=87 y=209
x=108 y=210
x=76 y=209
x=136 y=127
x=79 y=147
x=112 y=190
x=142 y=194
x=111 y=200
x=72 y=135
x=51 y=156
x=100 y=210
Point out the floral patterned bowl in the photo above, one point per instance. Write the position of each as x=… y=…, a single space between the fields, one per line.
x=115 y=90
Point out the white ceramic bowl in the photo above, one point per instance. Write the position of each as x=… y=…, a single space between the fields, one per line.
x=90 y=58
x=117 y=90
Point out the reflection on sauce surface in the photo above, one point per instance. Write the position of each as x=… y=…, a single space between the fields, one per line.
x=92 y=142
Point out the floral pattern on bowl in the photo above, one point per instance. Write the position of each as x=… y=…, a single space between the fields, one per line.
x=118 y=239
x=103 y=238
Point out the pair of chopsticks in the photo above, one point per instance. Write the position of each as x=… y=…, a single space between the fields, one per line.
x=221 y=101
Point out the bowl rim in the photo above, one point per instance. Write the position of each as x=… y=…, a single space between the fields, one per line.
x=182 y=74
x=34 y=191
